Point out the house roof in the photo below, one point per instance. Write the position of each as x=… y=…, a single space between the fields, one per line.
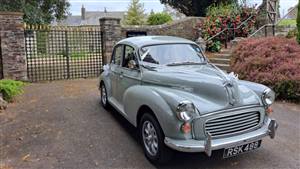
x=91 y=18
x=69 y=21
x=293 y=12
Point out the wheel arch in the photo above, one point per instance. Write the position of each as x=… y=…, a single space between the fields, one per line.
x=103 y=80
x=101 y=83
x=142 y=110
x=140 y=99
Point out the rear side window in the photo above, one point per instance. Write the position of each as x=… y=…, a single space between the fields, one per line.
x=117 y=56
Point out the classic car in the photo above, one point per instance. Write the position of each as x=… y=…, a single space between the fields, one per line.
x=178 y=100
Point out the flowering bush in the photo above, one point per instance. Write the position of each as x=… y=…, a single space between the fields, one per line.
x=227 y=16
x=272 y=61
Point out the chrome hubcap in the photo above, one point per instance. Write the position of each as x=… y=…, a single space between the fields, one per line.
x=150 y=138
x=103 y=95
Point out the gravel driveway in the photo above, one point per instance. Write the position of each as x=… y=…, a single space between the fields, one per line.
x=62 y=125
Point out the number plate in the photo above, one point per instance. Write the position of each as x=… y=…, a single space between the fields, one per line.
x=233 y=151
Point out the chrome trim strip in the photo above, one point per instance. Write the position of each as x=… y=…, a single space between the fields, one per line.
x=131 y=77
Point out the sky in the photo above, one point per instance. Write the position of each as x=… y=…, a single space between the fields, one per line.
x=155 y=5
x=112 y=5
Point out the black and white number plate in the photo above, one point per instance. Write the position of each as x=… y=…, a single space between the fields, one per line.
x=233 y=151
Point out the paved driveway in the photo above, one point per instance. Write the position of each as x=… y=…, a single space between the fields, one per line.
x=62 y=125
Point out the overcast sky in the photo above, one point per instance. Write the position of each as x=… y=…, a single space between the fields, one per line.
x=122 y=5
x=112 y=5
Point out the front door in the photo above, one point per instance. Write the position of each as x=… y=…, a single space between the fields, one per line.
x=115 y=71
x=130 y=74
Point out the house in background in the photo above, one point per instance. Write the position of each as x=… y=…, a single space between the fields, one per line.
x=88 y=17
x=292 y=12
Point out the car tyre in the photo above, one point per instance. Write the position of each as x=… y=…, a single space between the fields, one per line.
x=159 y=153
x=103 y=98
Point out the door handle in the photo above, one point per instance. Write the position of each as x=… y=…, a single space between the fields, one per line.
x=121 y=75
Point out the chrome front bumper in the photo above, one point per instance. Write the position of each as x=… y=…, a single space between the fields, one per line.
x=208 y=145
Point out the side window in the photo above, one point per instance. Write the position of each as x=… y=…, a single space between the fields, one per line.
x=129 y=55
x=117 y=56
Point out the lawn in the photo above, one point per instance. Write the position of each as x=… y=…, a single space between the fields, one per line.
x=288 y=22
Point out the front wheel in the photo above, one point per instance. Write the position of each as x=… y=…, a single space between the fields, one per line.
x=103 y=98
x=152 y=139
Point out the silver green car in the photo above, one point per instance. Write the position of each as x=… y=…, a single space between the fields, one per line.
x=178 y=100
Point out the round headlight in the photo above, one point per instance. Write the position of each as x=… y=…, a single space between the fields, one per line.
x=268 y=97
x=185 y=111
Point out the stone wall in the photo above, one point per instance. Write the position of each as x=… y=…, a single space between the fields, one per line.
x=185 y=28
x=13 y=46
x=113 y=31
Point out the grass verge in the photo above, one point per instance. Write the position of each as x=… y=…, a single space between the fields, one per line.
x=10 y=89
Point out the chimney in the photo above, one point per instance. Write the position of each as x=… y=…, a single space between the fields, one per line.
x=82 y=13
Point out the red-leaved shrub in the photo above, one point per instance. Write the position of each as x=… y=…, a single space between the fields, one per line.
x=272 y=61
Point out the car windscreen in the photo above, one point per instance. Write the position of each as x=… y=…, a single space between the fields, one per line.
x=169 y=54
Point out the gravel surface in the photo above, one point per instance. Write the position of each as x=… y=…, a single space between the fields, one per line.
x=62 y=125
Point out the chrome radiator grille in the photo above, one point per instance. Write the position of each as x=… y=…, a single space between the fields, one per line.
x=232 y=124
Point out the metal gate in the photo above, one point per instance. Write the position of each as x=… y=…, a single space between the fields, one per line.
x=55 y=53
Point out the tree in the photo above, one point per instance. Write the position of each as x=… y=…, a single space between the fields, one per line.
x=37 y=11
x=298 y=23
x=193 y=7
x=159 y=18
x=135 y=14
x=173 y=12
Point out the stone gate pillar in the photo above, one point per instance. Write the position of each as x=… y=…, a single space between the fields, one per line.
x=13 y=46
x=111 y=34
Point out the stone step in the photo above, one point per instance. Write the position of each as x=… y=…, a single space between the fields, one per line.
x=285 y=28
x=220 y=60
x=281 y=33
x=222 y=55
x=225 y=67
x=226 y=51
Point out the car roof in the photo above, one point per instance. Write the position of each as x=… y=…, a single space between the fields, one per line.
x=140 y=41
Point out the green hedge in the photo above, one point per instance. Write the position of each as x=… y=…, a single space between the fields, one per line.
x=159 y=18
x=10 y=88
